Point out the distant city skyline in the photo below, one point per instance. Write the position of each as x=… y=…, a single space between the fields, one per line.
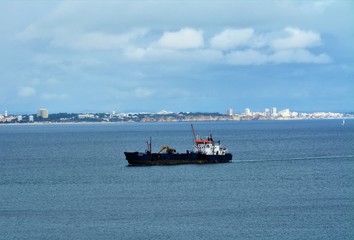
x=273 y=111
x=196 y=56
x=43 y=116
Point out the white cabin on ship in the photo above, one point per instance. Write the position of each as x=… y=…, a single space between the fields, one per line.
x=209 y=147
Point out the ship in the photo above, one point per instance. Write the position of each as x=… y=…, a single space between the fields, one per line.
x=205 y=151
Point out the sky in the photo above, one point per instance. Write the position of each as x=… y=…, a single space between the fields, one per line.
x=179 y=56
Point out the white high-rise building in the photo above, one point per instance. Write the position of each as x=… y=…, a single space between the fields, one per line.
x=6 y=115
x=229 y=112
x=43 y=112
x=285 y=113
x=267 y=112
x=31 y=118
x=247 y=111
x=274 y=111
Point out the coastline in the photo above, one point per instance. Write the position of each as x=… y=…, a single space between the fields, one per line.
x=110 y=118
x=162 y=121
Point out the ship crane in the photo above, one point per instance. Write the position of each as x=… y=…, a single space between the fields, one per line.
x=168 y=149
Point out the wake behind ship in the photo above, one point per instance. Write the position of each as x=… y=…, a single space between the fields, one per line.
x=205 y=151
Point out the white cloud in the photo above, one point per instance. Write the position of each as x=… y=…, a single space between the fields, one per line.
x=253 y=57
x=77 y=39
x=96 y=40
x=184 y=45
x=291 y=49
x=322 y=5
x=186 y=38
x=231 y=38
x=173 y=55
x=260 y=49
x=187 y=45
x=246 y=57
x=135 y=53
x=26 y=92
x=297 y=39
x=298 y=56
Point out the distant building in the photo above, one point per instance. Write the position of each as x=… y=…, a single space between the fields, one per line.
x=247 y=111
x=31 y=118
x=274 y=111
x=285 y=113
x=229 y=112
x=43 y=112
x=294 y=114
x=164 y=112
x=87 y=115
x=267 y=112
x=6 y=115
x=19 y=118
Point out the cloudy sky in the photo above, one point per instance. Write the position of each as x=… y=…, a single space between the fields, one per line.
x=81 y=56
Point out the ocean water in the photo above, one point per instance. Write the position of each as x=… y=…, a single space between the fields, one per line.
x=288 y=180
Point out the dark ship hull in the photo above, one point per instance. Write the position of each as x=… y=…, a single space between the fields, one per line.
x=148 y=159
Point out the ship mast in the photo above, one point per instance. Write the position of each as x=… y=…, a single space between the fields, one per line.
x=195 y=139
x=149 y=147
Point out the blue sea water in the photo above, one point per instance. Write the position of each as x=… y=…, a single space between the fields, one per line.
x=288 y=180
